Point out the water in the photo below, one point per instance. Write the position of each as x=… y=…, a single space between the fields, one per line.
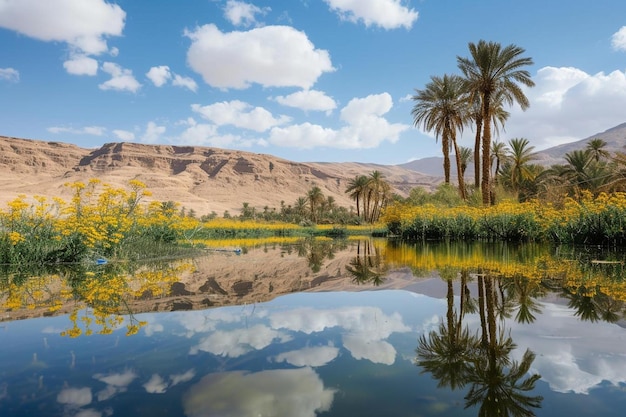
x=341 y=331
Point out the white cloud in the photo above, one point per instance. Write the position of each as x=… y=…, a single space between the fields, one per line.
x=82 y=24
x=308 y=100
x=203 y=134
x=376 y=351
x=75 y=397
x=239 y=114
x=618 y=40
x=185 y=82
x=159 y=75
x=87 y=130
x=121 y=79
x=309 y=356
x=156 y=385
x=126 y=136
x=366 y=128
x=282 y=393
x=388 y=14
x=117 y=379
x=568 y=104
x=238 y=342
x=81 y=65
x=153 y=133
x=272 y=56
x=184 y=377
x=89 y=412
x=9 y=74
x=240 y=13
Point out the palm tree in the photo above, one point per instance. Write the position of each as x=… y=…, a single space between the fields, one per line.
x=494 y=70
x=519 y=158
x=499 y=155
x=465 y=157
x=442 y=107
x=356 y=188
x=498 y=117
x=597 y=148
x=315 y=198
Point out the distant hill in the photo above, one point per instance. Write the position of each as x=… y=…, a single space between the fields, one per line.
x=200 y=178
x=614 y=137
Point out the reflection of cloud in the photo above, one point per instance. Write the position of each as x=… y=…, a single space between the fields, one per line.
x=90 y=412
x=567 y=361
x=377 y=351
x=281 y=393
x=366 y=328
x=151 y=329
x=75 y=397
x=116 y=382
x=310 y=356
x=237 y=342
x=203 y=322
x=178 y=378
x=156 y=385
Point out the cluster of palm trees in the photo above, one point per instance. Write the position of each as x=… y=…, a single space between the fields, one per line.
x=371 y=194
x=592 y=169
x=491 y=78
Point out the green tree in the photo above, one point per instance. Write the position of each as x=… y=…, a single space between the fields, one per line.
x=493 y=70
x=357 y=188
x=442 y=108
x=520 y=156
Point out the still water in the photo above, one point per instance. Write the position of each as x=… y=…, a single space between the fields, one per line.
x=321 y=328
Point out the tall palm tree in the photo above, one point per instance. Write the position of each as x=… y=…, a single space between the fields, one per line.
x=465 y=157
x=493 y=70
x=442 y=107
x=357 y=188
x=498 y=117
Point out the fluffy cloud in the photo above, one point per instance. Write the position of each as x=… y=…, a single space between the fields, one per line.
x=366 y=128
x=239 y=114
x=82 y=24
x=155 y=385
x=185 y=82
x=308 y=100
x=388 y=14
x=75 y=397
x=116 y=382
x=124 y=135
x=309 y=356
x=618 y=40
x=159 y=75
x=281 y=393
x=153 y=133
x=121 y=79
x=87 y=130
x=568 y=104
x=9 y=74
x=81 y=65
x=272 y=56
x=237 y=342
x=240 y=13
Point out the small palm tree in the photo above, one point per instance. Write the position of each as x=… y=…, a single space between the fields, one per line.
x=357 y=188
x=597 y=148
x=520 y=156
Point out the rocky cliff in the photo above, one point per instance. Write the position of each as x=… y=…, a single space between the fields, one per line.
x=200 y=178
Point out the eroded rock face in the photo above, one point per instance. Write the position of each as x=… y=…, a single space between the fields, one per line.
x=200 y=178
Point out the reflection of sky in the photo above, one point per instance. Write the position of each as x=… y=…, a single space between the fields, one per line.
x=573 y=355
x=306 y=334
x=281 y=393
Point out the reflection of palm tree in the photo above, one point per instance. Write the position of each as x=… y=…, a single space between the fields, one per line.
x=497 y=389
x=366 y=267
x=525 y=292
x=448 y=351
x=500 y=392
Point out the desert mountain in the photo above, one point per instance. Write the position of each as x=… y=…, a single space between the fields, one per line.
x=204 y=179
x=615 y=139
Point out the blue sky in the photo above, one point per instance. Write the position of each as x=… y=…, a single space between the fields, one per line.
x=305 y=80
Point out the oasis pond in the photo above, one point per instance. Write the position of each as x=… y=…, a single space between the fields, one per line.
x=358 y=327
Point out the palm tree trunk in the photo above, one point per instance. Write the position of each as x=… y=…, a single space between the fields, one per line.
x=459 y=170
x=479 y=128
x=485 y=182
x=445 y=148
